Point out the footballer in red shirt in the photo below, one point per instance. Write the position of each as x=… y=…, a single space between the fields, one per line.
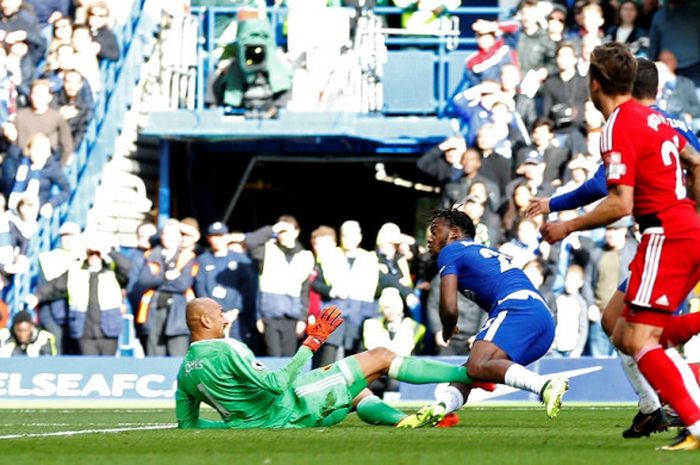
x=645 y=175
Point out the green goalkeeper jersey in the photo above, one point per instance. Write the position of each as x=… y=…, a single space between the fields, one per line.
x=224 y=374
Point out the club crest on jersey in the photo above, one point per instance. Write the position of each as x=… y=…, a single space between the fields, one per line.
x=616 y=168
x=654 y=120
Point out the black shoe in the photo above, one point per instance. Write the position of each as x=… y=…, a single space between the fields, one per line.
x=680 y=437
x=673 y=419
x=643 y=424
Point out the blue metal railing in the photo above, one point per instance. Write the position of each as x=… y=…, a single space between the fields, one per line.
x=208 y=42
x=84 y=173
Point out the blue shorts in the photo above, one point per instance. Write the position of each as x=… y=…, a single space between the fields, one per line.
x=523 y=329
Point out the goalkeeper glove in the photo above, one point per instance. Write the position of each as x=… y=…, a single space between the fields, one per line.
x=327 y=322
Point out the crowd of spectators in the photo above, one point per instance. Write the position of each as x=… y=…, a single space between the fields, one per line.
x=528 y=130
x=50 y=78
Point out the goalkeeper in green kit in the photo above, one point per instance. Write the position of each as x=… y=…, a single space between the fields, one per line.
x=224 y=374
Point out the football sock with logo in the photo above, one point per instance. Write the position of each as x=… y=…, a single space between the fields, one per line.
x=451 y=397
x=648 y=399
x=421 y=371
x=518 y=376
x=672 y=378
x=679 y=329
x=375 y=411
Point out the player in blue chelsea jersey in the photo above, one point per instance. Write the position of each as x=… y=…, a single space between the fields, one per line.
x=519 y=330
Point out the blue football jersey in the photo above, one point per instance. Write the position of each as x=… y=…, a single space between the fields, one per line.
x=485 y=275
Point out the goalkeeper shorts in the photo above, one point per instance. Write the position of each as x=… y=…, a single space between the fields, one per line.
x=324 y=396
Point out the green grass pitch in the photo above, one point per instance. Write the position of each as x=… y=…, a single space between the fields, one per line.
x=485 y=435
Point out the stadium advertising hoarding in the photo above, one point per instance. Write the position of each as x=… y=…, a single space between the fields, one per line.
x=95 y=378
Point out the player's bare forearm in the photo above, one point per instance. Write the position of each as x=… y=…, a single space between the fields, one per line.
x=691 y=162
x=616 y=205
x=448 y=305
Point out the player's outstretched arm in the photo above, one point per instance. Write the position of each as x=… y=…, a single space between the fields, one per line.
x=617 y=204
x=187 y=413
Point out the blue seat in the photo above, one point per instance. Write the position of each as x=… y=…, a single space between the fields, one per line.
x=409 y=82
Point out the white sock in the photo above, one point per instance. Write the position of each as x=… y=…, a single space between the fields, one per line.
x=451 y=397
x=518 y=376
x=648 y=399
x=694 y=429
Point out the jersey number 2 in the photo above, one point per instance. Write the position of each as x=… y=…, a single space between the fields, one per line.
x=669 y=152
x=503 y=260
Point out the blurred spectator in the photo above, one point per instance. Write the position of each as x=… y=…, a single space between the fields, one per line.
x=510 y=86
x=537 y=273
x=168 y=276
x=189 y=228
x=444 y=161
x=474 y=207
x=524 y=246
x=676 y=28
x=12 y=261
x=285 y=267
x=606 y=268
x=24 y=339
x=565 y=91
x=364 y=269
x=393 y=331
x=457 y=190
x=677 y=94
x=574 y=249
x=19 y=64
x=474 y=105
x=626 y=30
x=62 y=34
x=247 y=272
x=40 y=176
x=94 y=293
x=646 y=13
x=571 y=316
x=20 y=25
x=535 y=48
x=394 y=269
x=74 y=105
x=85 y=58
x=333 y=283
x=492 y=55
x=578 y=174
x=8 y=91
x=146 y=235
x=508 y=127
x=494 y=165
x=52 y=264
x=556 y=24
x=514 y=209
x=41 y=118
x=554 y=156
x=530 y=174
x=590 y=20
x=219 y=276
x=102 y=35
x=23 y=224
x=47 y=11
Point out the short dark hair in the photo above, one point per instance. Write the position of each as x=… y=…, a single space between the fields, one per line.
x=454 y=219
x=646 y=84
x=614 y=67
x=543 y=121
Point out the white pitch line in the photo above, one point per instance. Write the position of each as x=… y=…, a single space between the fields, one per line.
x=87 y=431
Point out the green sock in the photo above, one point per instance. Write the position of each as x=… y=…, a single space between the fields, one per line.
x=375 y=411
x=422 y=371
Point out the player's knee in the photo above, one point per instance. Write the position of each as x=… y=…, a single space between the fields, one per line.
x=383 y=354
x=475 y=369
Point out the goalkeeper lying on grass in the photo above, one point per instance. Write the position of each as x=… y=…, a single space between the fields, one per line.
x=224 y=374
